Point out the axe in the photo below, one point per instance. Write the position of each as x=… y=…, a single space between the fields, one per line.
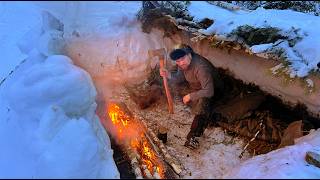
x=161 y=53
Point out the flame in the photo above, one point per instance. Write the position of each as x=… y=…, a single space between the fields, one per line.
x=125 y=124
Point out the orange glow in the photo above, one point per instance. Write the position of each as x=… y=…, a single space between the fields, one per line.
x=127 y=127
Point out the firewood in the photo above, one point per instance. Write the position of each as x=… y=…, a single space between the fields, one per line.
x=136 y=168
x=147 y=172
x=156 y=175
x=225 y=5
x=176 y=168
x=313 y=158
x=252 y=139
x=160 y=146
x=162 y=134
x=167 y=157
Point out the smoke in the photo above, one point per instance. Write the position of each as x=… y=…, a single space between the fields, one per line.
x=106 y=40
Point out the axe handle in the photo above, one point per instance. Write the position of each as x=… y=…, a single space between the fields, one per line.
x=166 y=87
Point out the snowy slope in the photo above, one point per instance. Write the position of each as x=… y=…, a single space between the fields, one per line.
x=285 y=163
x=303 y=55
x=13 y=26
x=48 y=125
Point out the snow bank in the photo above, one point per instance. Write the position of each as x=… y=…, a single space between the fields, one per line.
x=105 y=38
x=13 y=26
x=48 y=125
x=50 y=129
x=41 y=82
x=288 y=162
x=303 y=55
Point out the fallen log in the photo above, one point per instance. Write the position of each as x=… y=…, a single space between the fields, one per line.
x=134 y=163
x=313 y=158
x=226 y=5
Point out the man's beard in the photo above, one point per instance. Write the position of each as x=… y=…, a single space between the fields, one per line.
x=184 y=67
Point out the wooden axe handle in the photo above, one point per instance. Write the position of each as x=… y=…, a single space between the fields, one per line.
x=166 y=87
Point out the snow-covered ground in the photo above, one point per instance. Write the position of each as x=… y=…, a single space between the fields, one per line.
x=13 y=26
x=48 y=125
x=303 y=55
x=285 y=163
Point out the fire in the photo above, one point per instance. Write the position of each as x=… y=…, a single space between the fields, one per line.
x=129 y=128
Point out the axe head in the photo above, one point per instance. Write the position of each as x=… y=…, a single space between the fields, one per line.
x=156 y=52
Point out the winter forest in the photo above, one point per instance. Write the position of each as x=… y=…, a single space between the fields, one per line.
x=160 y=89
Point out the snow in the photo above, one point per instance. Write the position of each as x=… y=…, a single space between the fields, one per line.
x=48 y=125
x=303 y=56
x=91 y=18
x=49 y=128
x=12 y=29
x=260 y=48
x=288 y=162
x=106 y=38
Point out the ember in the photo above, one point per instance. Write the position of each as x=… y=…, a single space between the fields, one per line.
x=127 y=128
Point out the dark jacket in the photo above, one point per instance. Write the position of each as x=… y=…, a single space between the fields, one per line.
x=202 y=77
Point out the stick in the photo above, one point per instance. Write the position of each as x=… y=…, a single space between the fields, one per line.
x=135 y=164
x=252 y=139
x=166 y=87
x=167 y=157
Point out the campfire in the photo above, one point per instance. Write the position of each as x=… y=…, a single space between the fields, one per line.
x=130 y=132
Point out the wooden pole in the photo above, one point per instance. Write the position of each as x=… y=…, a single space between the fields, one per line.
x=166 y=87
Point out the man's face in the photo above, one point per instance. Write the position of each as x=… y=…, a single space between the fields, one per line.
x=184 y=62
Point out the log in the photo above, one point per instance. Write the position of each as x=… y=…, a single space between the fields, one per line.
x=167 y=157
x=226 y=5
x=162 y=134
x=313 y=158
x=135 y=166
x=156 y=175
x=252 y=139
x=147 y=172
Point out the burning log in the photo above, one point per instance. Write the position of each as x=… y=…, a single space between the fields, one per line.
x=136 y=168
x=167 y=157
x=156 y=174
x=147 y=172
x=143 y=154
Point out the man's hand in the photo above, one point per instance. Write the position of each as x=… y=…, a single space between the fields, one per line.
x=165 y=73
x=186 y=98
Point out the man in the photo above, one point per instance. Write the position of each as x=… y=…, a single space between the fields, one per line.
x=204 y=82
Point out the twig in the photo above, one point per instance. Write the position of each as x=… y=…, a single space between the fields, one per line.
x=252 y=139
x=226 y=5
x=2 y=81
